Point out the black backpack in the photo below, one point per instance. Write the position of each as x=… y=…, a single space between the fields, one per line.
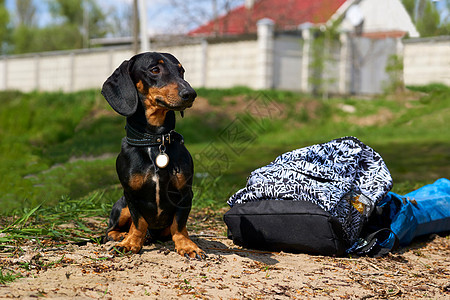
x=313 y=200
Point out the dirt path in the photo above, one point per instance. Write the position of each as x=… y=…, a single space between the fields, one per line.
x=89 y=271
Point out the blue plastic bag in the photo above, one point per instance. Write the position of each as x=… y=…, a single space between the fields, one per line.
x=424 y=211
x=397 y=219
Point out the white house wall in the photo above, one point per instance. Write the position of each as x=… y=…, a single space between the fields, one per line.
x=370 y=60
x=383 y=15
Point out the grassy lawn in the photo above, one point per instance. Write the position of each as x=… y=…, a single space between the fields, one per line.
x=56 y=147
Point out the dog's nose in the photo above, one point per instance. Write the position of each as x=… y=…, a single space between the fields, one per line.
x=187 y=94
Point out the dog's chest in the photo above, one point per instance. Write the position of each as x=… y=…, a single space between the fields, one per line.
x=146 y=175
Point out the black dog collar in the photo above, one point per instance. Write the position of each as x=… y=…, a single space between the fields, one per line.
x=136 y=138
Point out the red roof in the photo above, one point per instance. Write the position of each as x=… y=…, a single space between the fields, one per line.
x=287 y=14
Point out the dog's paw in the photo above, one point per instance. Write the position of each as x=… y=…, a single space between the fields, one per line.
x=116 y=236
x=189 y=249
x=127 y=246
x=200 y=255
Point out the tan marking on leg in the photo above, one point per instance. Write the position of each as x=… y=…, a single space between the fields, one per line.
x=123 y=224
x=125 y=217
x=136 y=236
x=116 y=235
x=183 y=244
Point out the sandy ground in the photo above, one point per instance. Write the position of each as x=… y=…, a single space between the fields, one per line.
x=230 y=272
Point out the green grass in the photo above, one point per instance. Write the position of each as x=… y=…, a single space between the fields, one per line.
x=8 y=276
x=57 y=145
x=67 y=221
x=40 y=130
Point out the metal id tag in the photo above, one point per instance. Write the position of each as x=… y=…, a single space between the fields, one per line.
x=162 y=159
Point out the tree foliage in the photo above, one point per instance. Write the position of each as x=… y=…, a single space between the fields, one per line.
x=428 y=23
x=4 y=20
x=426 y=17
x=74 y=23
x=26 y=12
x=190 y=14
x=49 y=38
x=85 y=14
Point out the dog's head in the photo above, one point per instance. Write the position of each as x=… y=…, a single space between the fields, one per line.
x=155 y=79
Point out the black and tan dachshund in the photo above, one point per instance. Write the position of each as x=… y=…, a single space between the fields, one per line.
x=154 y=167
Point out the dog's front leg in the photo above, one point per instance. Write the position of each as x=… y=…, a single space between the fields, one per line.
x=135 y=238
x=183 y=244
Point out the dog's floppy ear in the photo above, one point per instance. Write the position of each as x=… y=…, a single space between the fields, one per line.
x=120 y=92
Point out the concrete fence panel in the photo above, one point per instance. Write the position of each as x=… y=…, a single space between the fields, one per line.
x=427 y=61
x=90 y=70
x=191 y=58
x=287 y=63
x=55 y=73
x=262 y=61
x=116 y=57
x=3 y=76
x=22 y=74
x=232 y=64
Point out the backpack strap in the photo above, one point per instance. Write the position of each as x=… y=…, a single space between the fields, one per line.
x=375 y=244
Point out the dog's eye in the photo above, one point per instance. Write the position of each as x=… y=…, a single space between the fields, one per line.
x=155 y=70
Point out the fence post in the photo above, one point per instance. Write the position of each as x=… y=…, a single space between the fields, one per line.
x=266 y=48
x=306 y=53
x=37 y=72
x=204 y=64
x=4 y=76
x=111 y=66
x=344 y=64
x=72 y=72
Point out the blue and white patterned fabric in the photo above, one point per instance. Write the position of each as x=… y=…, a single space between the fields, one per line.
x=344 y=177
